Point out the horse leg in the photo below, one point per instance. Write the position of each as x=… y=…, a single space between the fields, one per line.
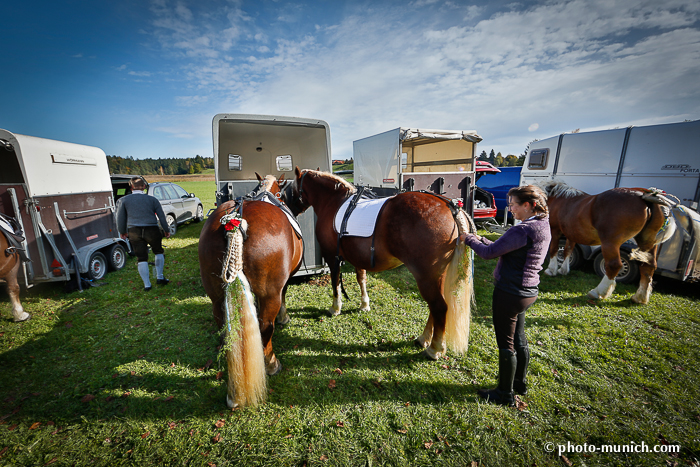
x=13 y=290
x=646 y=270
x=431 y=291
x=283 y=317
x=268 y=310
x=568 y=248
x=361 y=275
x=425 y=339
x=335 y=284
x=553 y=250
x=613 y=264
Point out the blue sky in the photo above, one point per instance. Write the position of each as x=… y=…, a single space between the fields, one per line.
x=144 y=78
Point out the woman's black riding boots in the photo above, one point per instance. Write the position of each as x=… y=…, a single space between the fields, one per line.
x=520 y=381
x=503 y=394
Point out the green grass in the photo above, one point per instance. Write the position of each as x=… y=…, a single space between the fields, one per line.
x=116 y=376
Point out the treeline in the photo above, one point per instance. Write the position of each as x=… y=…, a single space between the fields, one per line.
x=170 y=166
x=499 y=161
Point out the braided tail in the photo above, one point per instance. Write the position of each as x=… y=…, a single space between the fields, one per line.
x=459 y=289
x=247 y=381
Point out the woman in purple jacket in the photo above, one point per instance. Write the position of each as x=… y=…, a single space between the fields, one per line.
x=521 y=252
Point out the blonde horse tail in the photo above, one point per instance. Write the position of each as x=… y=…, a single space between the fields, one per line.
x=245 y=359
x=459 y=291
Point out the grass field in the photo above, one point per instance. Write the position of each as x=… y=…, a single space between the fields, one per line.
x=117 y=376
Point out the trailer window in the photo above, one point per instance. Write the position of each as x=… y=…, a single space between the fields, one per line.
x=284 y=163
x=538 y=159
x=235 y=162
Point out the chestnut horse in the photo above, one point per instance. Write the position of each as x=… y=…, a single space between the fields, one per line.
x=609 y=219
x=269 y=256
x=414 y=228
x=9 y=268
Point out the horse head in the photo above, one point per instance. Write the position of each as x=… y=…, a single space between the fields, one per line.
x=559 y=189
x=270 y=184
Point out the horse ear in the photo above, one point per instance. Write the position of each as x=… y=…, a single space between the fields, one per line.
x=281 y=179
x=318 y=169
x=259 y=177
x=297 y=172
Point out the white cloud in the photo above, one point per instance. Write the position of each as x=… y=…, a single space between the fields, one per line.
x=566 y=65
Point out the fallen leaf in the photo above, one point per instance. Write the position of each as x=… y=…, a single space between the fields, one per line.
x=288 y=436
x=428 y=445
x=403 y=432
x=216 y=438
x=566 y=461
x=219 y=374
x=209 y=362
x=172 y=425
x=445 y=367
x=338 y=371
x=172 y=365
x=168 y=399
x=220 y=423
x=339 y=424
x=324 y=457
x=6 y=447
x=87 y=398
x=12 y=427
x=520 y=404
x=145 y=435
x=331 y=384
x=52 y=461
x=126 y=394
x=35 y=425
x=474 y=464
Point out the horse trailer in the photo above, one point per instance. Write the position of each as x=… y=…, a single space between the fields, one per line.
x=61 y=195
x=410 y=159
x=271 y=145
x=665 y=156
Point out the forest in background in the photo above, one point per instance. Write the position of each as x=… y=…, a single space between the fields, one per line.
x=169 y=166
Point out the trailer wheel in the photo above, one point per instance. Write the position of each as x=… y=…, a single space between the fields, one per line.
x=117 y=257
x=172 y=224
x=200 y=214
x=97 y=266
x=575 y=258
x=629 y=272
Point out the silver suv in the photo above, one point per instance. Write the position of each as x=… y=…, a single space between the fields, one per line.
x=178 y=205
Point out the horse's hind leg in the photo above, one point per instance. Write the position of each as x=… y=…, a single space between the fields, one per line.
x=425 y=339
x=283 y=317
x=431 y=291
x=13 y=290
x=553 y=251
x=361 y=275
x=268 y=310
x=613 y=264
x=647 y=266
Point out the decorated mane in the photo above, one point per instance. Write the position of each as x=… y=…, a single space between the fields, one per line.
x=558 y=189
x=340 y=182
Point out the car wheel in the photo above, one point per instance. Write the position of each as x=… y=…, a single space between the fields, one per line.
x=117 y=257
x=172 y=224
x=97 y=266
x=629 y=272
x=200 y=214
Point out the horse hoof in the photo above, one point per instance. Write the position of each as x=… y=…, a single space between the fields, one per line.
x=274 y=368
x=230 y=403
x=593 y=294
x=333 y=312
x=284 y=321
x=430 y=355
x=419 y=344
x=549 y=273
x=21 y=319
x=365 y=308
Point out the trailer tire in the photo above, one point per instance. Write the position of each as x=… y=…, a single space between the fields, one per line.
x=117 y=257
x=172 y=224
x=97 y=266
x=629 y=272
x=575 y=258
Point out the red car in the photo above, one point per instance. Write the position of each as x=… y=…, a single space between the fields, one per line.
x=484 y=202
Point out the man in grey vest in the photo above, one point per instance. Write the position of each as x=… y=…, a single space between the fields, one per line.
x=136 y=218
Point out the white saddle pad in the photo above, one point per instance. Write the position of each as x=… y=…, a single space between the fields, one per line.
x=6 y=225
x=362 y=219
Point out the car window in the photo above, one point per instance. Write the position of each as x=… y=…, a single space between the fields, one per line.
x=158 y=193
x=170 y=192
x=180 y=191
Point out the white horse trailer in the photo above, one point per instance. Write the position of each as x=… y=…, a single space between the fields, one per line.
x=61 y=195
x=410 y=159
x=666 y=157
x=271 y=145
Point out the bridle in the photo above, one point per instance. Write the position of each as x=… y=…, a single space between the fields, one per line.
x=301 y=189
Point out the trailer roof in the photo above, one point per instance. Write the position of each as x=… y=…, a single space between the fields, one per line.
x=51 y=167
